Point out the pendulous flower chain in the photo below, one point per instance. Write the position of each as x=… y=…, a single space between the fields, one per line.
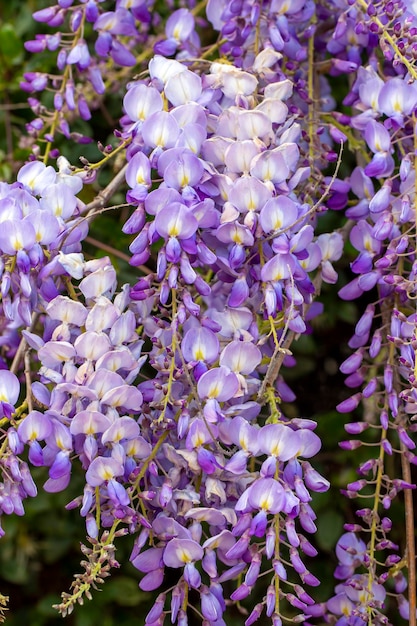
x=247 y=128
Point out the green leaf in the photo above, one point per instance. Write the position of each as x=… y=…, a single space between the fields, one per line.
x=124 y=591
x=329 y=529
x=11 y=47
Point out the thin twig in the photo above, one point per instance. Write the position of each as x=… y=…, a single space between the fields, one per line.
x=409 y=534
x=104 y=196
x=280 y=352
x=28 y=381
x=22 y=347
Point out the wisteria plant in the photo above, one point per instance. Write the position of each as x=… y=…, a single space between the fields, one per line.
x=258 y=145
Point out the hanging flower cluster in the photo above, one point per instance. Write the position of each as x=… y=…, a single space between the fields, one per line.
x=167 y=394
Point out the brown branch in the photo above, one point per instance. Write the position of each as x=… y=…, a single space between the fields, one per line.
x=104 y=196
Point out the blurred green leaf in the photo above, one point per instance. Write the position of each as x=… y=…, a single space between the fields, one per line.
x=329 y=529
x=11 y=46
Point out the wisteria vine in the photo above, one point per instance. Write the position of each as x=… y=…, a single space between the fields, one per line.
x=243 y=125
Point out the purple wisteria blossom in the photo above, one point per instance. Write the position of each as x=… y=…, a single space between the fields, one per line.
x=249 y=194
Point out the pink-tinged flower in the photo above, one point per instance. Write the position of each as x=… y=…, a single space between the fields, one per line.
x=239 y=154
x=233 y=81
x=67 y=310
x=163 y=69
x=55 y=353
x=9 y=393
x=126 y=396
x=256 y=124
x=92 y=345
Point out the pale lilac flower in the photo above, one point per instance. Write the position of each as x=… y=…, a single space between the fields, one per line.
x=9 y=392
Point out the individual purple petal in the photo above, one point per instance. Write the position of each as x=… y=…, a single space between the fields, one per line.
x=89 y=423
x=278 y=214
x=9 y=387
x=200 y=344
x=279 y=441
x=92 y=345
x=218 y=383
x=125 y=396
x=61 y=467
x=160 y=130
x=141 y=101
x=182 y=551
x=281 y=266
x=67 y=310
x=103 y=469
x=54 y=353
x=35 y=426
x=149 y=560
x=183 y=88
x=36 y=176
x=242 y=357
x=16 y=235
x=266 y=494
x=176 y=221
x=99 y=283
x=117 y=493
x=122 y=428
x=185 y=170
